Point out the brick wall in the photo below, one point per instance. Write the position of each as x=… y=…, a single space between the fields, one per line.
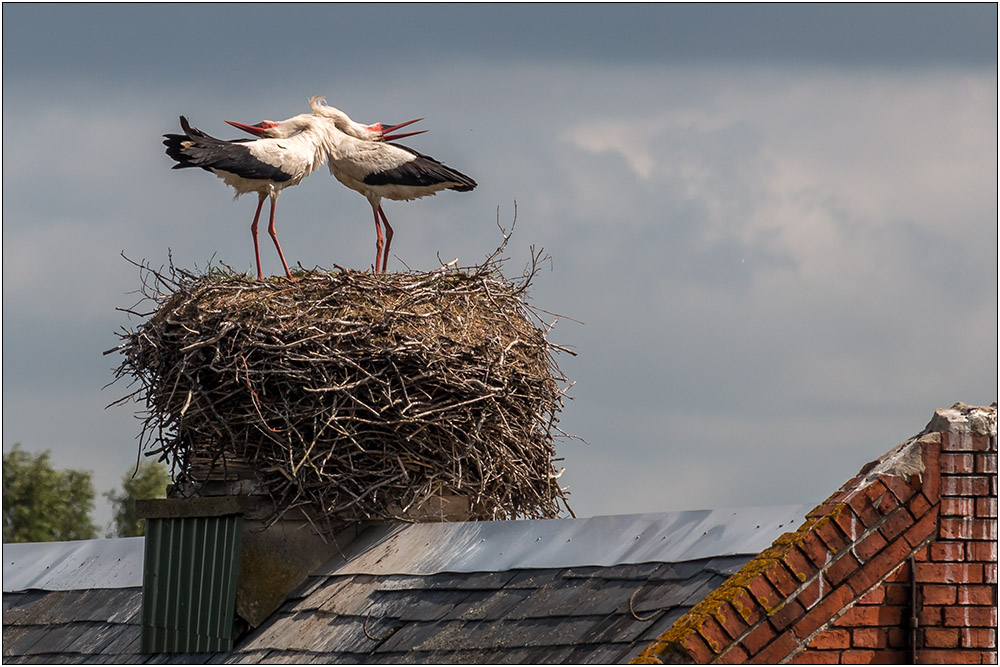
x=956 y=574
x=913 y=535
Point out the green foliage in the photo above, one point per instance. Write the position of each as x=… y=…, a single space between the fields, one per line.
x=148 y=481
x=42 y=504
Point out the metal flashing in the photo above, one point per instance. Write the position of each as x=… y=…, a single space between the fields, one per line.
x=66 y=566
x=496 y=546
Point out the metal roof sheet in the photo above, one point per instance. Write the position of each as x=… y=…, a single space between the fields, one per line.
x=496 y=546
x=64 y=566
x=431 y=548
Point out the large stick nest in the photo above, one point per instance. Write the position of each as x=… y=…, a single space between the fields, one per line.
x=361 y=396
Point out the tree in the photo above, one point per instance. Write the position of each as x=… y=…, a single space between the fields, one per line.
x=149 y=480
x=42 y=504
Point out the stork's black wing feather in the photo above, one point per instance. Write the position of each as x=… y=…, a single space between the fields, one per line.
x=421 y=171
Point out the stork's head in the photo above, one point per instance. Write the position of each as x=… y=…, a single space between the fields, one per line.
x=265 y=129
x=282 y=129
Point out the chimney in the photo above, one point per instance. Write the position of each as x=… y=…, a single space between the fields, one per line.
x=217 y=563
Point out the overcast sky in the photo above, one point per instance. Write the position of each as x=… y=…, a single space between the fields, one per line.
x=777 y=224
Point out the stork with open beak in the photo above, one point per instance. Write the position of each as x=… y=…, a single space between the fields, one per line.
x=382 y=170
x=286 y=152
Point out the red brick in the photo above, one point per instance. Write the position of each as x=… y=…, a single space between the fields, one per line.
x=896 y=593
x=964 y=442
x=886 y=502
x=918 y=505
x=696 y=648
x=899 y=487
x=986 y=507
x=798 y=564
x=872 y=657
x=895 y=524
x=764 y=593
x=967 y=529
x=757 y=638
x=922 y=529
x=788 y=614
x=947 y=551
x=981 y=551
x=816 y=550
x=879 y=566
x=842 y=568
x=950 y=657
x=779 y=649
x=930 y=615
x=869 y=638
x=968 y=617
x=901 y=575
x=871 y=616
x=734 y=655
x=987 y=463
x=810 y=595
x=990 y=573
x=832 y=638
x=747 y=607
x=874 y=596
x=931 y=483
x=950 y=573
x=978 y=595
x=965 y=485
x=941 y=637
x=848 y=522
x=861 y=503
x=957 y=463
x=730 y=620
x=939 y=594
x=824 y=610
x=832 y=537
x=813 y=657
x=714 y=635
x=782 y=579
x=957 y=506
x=978 y=637
x=868 y=546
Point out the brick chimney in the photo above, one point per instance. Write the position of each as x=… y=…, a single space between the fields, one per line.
x=898 y=566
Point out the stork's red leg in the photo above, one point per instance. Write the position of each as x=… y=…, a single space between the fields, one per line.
x=253 y=231
x=379 y=240
x=388 y=238
x=274 y=237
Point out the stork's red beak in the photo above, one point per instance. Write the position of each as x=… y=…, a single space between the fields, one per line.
x=257 y=130
x=391 y=137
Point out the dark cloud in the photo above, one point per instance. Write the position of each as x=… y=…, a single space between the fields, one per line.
x=265 y=42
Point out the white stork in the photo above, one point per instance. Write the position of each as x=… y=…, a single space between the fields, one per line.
x=265 y=166
x=377 y=169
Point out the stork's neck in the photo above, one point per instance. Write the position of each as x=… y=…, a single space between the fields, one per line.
x=314 y=135
x=340 y=120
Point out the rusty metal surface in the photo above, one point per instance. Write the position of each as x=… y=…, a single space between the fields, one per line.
x=495 y=546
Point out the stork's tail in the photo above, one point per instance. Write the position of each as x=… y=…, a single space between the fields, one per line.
x=176 y=143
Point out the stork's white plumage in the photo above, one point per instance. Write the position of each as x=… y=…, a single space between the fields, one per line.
x=381 y=170
x=288 y=151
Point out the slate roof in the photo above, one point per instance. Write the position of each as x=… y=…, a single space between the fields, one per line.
x=583 y=591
